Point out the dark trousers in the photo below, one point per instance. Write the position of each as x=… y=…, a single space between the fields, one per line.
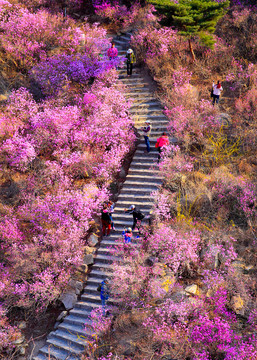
x=106 y=228
x=159 y=155
x=215 y=97
x=129 y=68
x=147 y=143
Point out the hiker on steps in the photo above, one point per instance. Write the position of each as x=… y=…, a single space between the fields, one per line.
x=127 y=235
x=106 y=220
x=112 y=52
x=137 y=216
x=217 y=88
x=104 y=293
x=131 y=59
x=111 y=210
x=160 y=143
x=146 y=132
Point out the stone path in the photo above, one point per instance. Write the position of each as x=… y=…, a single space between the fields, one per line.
x=69 y=340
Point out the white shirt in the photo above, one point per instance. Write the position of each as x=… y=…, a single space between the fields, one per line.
x=216 y=91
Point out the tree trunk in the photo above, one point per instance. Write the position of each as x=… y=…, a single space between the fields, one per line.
x=191 y=49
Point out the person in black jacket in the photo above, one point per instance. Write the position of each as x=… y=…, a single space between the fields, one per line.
x=137 y=215
x=106 y=220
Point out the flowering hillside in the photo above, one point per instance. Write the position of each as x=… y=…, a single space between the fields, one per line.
x=59 y=153
x=188 y=290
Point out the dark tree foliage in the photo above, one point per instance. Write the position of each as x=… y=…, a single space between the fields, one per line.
x=193 y=18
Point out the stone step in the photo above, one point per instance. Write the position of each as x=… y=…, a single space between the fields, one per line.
x=134 y=79
x=144 y=93
x=120 y=224
x=141 y=155
x=88 y=300
x=77 y=341
x=92 y=289
x=147 y=190
x=144 y=117
x=102 y=267
x=140 y=183
x=124 y=75
x=70 y=347
x=153 y=110
x=137 y=89
x=155 y=122
x=135 y=84
x=134 y=198
x=156 y=128
x=77 y=319
x=96 y=272
x=147 y=104
x=125 y=37
x=143 y=207
x=76 y=329
x=143 y=176
x=122 y=44
x=137 y=101
x=99 y=258
x=81 y=313
x=94 y=281
x=88 y=305
x=144 y=164
x=51 y=351
x=113 y=242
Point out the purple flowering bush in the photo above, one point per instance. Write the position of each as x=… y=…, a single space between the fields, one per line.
x=58 y=155
x=186 y=289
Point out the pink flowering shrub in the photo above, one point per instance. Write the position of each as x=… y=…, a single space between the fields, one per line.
x=58 y=156
x=44 y=233
x=71 y=5
x=8 y=333
x=58 y=72
x=121 y=16
x=18 y=152
x=29 y=37
x=173 y=249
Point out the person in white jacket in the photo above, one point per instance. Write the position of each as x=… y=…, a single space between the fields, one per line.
x=217 y=88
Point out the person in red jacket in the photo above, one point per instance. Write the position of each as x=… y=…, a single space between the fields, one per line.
x=112 y=52
x=161 y=142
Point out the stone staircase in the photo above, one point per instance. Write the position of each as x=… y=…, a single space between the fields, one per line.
x=70 y=338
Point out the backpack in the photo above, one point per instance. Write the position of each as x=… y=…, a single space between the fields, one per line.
x=212 y=93
x=140 y=216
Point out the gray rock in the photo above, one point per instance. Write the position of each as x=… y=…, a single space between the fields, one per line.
x=224 y=119
x=122 y=173
x=93 y=240
x=192 y=289
x=20 y=340
x=56 y=325
x=68 y=299
x=22 y=325
x=88 y=259
x=79 y=286
x=179 y=296
x=128 y=348
x=62 y=315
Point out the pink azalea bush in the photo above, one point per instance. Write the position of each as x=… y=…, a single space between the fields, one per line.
x=122 y=16
x=186 y=288
x=29 y=37
x=58 y=155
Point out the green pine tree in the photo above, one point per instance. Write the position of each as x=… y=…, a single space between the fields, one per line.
x=193 y=18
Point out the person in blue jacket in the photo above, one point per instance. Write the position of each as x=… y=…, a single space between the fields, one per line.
x=104 y=293
x=127 y=235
